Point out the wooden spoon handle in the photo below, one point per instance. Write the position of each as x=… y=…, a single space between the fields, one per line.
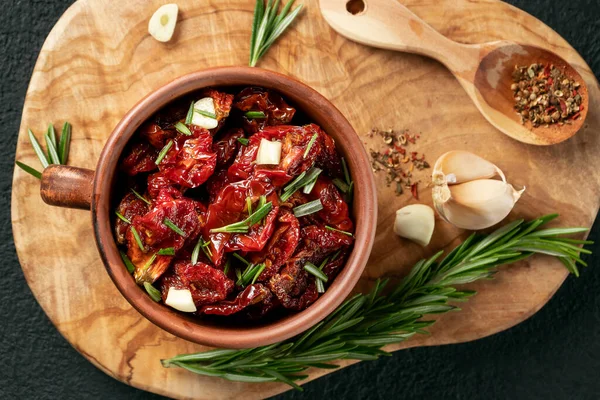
x=390 y=25
x=65 y=186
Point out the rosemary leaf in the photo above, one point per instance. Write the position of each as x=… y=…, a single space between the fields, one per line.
x=163 y=152
x=38 y=149
x=258 y=272
x=138 y=239
x=169 y=251
x=242 y=259
x=152 y=291
x=308 y=208
x=243 y=141
x=316 y=272
x=64 y=143
x=310 y=144
x=337 y=230
x=255 y=115
x=346 y=172
x=190 y=114
x=205 y=114
x=142 y=198
x=183 y=129
x=362 y=325
x=128 y=264
x=52 y=135
x=122 y=218
x=29 y=170
x=171 y=225
x=52 y=153
x=341 y=185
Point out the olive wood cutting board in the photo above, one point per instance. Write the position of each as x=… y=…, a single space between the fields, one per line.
x=99 y=60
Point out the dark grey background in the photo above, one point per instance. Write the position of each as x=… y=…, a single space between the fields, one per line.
x=555 y=354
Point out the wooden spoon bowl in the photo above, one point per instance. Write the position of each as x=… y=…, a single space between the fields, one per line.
x=484 y=70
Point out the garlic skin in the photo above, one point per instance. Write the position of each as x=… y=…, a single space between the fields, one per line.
x=415 y=222
x=463 y=194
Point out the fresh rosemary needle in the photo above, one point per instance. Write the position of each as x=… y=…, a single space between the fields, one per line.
x=364 y=324
x=267 y=26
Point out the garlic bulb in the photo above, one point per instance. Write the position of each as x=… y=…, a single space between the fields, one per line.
x=415 y=222
x=465 y=196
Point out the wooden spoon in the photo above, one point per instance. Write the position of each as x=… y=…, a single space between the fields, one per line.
x=484 y=70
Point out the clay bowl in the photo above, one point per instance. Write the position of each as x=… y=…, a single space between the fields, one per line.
x=79 y=188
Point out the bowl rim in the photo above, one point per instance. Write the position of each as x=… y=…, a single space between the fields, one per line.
x=365 y=206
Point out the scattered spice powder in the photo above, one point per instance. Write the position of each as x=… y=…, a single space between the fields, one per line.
x=396 y=161
x=545 y=96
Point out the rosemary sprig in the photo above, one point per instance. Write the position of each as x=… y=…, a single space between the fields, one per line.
x=267 y=26
x=364 y=324
x=57 y=153
x=304 y=179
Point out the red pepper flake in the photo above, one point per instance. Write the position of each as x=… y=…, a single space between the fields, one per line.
x=414 y=190
x=576 y=116
x=574 y=92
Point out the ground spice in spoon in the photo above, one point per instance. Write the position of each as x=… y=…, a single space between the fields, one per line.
x=396 y=159
x=544 y=95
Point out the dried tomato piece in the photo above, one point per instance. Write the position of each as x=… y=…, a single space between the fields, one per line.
x=335 y=210
x=223 y=102
x=161 y=189
x=281 y=245
x=216 y=183
x=295 y=140
x=190 y=161
x=333 y=267
x=207 y=284
x=277 y=111
x=140 y=158
x=227 y=146
x=328 y=160
x=129 y=207
x=259 y=310
x=317 y=242
x=230 y=207
x=156 y=235
x=253 y=294
x=157 y=136
x=293 y=287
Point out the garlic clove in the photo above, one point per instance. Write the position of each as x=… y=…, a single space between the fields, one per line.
x=180 y=299
x=460 y=166
x=207 y=105
x=477 y=204
x=162 y=24
x=415 y=222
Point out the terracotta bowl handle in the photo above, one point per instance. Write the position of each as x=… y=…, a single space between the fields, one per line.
x=65 y=186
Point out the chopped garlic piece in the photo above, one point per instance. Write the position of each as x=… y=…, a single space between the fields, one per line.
x=207 y=105
x=162 y=24
x=180 y=299
x=269 y=153
x=416 y=223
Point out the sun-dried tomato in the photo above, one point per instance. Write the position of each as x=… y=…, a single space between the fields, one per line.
x=157 y=136
x=277 y=111
x=207 y=284
x=335 y=210
x=230 y=207
x=293 y=287
x=140 y=158
x=190 y=161
x=155 y=234
x=281 y=245
x=253 y=294
x=227 y=146
x=129 y=207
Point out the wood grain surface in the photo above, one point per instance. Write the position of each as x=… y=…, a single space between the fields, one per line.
x=99 y=61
